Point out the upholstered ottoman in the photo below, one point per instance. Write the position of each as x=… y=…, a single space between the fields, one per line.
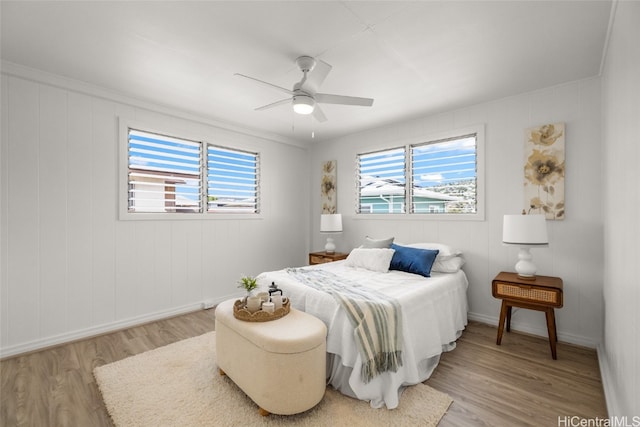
x=279 y=364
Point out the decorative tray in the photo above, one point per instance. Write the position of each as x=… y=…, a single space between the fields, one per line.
x=241 y=312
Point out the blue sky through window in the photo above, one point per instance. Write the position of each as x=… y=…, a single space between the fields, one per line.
x=446 y=162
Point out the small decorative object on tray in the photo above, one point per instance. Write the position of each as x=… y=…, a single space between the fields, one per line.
x=262 y=307
x=248 y=283
x=240 y=311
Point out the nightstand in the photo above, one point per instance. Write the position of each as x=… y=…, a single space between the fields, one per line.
x=323 y=257
x=544 y=293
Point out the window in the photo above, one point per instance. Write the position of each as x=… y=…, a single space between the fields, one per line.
x=232 y=181
x=164 y=173
x=382 y=181
x=441 y=176
x=167 y=174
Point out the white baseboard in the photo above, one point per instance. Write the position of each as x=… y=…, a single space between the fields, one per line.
x=613 y=408
x=533 y=330
x=489 y=320
x=45 y=342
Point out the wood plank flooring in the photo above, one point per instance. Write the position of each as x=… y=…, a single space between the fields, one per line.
x=514 y=384
x=517 y=383
x=56 y=387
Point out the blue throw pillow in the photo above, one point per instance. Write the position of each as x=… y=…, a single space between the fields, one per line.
x=413 y=260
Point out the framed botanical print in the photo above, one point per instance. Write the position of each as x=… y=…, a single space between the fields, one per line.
x=544 y=169
x=329 y=187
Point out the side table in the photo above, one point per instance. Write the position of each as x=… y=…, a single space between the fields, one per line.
x=544 y=293
x=323 y=257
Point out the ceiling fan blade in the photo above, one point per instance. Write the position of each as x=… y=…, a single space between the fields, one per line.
x=274 y=104
x=316 y=77
x=285 y=90
x=318 y=114
x=326 y=98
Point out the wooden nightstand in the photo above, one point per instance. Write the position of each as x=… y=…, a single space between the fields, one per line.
x=322 y=257
x=542 y=294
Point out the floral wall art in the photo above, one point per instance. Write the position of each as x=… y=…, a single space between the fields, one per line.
x=544 y=170
x=328 y=187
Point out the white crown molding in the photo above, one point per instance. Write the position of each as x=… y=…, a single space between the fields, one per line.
x=605 y=48
x=39 y=76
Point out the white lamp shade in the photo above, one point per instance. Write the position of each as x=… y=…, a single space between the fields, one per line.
x=525 y=230
x=303 y=104
x=331 y=223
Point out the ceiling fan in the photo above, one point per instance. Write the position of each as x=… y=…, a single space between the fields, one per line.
x=304 y=96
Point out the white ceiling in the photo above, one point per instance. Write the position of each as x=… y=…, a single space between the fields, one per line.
x=414 y=58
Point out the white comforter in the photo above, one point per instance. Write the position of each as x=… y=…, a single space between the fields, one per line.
x=434 y=312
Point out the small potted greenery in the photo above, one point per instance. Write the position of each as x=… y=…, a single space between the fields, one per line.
x=248 y=283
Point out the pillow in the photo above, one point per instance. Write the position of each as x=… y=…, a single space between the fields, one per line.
x=447 y=265
x=448 y=260
x=445 y=251
x=413 y=260
x=377 y=243
x=374 y=259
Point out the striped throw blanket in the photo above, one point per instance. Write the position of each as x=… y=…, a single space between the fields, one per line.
x=376 y=318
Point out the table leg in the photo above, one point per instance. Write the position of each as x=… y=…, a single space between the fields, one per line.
x=509 y=318
x=551 y=329
x=503 y=313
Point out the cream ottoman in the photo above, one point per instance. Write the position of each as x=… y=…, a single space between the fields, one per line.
x=279 y=364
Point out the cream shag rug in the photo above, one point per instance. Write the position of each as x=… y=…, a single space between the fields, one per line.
x=179 y=385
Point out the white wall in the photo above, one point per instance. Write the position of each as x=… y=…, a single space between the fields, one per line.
x=70 y=268
x=620 y=352
x=575 y=253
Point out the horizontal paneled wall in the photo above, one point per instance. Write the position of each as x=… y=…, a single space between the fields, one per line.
x=576 y=244
x=71 y=268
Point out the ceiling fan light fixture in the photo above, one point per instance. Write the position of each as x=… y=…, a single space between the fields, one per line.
x=303 y=104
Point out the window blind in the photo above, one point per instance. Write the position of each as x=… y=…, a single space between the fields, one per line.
x=164 y=173
x=381 y=181
x=232 y=184
x=443 y=176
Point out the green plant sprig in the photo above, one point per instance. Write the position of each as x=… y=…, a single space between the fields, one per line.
x=248 y=283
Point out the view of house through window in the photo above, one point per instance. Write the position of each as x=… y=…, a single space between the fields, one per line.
x=435 y=177
x=166 y=175
x=382 y=181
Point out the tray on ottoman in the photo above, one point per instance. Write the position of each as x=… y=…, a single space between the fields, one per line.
x=241 y=312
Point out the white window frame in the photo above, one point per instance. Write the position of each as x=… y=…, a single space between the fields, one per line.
x=479 y=215
x=123 y=188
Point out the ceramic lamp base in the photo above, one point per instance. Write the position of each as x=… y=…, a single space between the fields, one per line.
x=525 y=267
x=330 y=247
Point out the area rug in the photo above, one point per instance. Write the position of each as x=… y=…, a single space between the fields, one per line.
x=179 y=385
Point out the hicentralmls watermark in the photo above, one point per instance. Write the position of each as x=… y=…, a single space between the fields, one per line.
x=576 y=421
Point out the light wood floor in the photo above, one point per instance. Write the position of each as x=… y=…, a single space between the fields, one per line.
x=514 y=384
x=517 y=383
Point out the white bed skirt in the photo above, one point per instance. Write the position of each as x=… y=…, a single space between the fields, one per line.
x=341 y=377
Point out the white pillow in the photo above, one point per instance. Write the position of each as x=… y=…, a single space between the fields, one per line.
x=449 y=260
x=374 y=259
x=446 y=251
x=449 y=265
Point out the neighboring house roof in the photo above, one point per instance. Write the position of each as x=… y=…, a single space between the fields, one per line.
x=390 y=187
x=185 y=201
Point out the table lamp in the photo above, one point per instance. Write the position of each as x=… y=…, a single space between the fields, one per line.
x=525 y=231
x=330 y=223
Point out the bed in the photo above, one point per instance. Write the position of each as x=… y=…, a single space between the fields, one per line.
x=433 y=315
